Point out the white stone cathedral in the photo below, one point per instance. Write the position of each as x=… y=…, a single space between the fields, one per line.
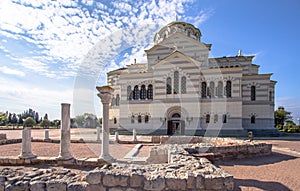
x=182 y=91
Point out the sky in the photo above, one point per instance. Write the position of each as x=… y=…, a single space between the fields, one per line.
x=54 y=52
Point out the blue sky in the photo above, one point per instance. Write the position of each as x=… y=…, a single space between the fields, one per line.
x=54 y=52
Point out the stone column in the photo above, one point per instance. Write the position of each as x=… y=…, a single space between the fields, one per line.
x=26 y=144
x=65 y=133
x=117 y=136
x=47 y=135
x=98 y=134
x=134 y=139
x=105 y=94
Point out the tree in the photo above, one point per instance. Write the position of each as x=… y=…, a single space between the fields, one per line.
x=280 y=116
x=45 y=123
x=29 y=122
x=3 y=119
x=46 y=116
x=36 y=117
x=14 y=119
x=20 y=121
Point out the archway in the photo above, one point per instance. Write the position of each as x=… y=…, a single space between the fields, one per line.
x=176 y=123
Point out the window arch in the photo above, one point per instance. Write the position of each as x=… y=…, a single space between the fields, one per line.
x=203 y=89
x=216 y=118
x=169 y=86
x=228 y=88
x=220 y=89
x=113 y=101
x=115 y=120
x=207 y=118
x=252 y=119
x=139 y=119
x=183 y=84
x=143 y=92
x=176 y=82
x=211 y=89
x=117 y=100
x=129 y=93
x=150 y=92
x=136 y=93
x=146 y=118
x=132 y=118
x=224 y=118
x=253 y=93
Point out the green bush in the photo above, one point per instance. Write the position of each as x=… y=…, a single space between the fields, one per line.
x=29 y=122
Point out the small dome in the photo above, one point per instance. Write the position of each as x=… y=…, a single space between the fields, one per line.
x=177 y=27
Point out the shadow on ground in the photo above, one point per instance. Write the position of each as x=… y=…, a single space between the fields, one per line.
x=275 y=157
x=267 y=186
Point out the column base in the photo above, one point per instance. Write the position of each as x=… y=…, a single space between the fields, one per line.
x=60 y=157
x=106 y=158
x=27 y=156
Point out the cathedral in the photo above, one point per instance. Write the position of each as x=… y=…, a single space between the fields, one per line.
x=181 y=90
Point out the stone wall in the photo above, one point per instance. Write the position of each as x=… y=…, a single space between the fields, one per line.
x=2 y=136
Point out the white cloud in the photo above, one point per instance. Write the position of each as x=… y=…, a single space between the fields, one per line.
x=6 y=70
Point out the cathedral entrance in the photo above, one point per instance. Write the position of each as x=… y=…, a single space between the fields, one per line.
x=175 y=125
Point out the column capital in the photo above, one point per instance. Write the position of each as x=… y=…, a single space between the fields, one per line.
x=105 y=93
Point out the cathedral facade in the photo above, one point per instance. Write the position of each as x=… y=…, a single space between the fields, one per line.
x=183 y=91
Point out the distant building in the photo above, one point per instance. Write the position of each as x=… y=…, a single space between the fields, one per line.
x=181 y=91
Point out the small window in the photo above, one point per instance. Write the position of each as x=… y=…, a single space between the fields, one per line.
x=183 y=84
x=216 y=118
x=150 y=92
x=139 y=119
x=220 y=89
x=203 y=89
x=143 y=92
x=115 y=120
x=207 y=118
x=252 y=119
x=117 y=100
x=211 y=89
x=270 y=96
x=132 y=118
x=129 y=93
x=169 y=86
x=228 y=88
x=253 y=93
x=136 y=93
x=113 y=101
x=146 y=118
x=224 y=118
x=176 y=82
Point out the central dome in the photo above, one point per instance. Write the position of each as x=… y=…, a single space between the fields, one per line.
x=177 y=27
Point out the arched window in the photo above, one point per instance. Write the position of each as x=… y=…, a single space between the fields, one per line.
x=169 y=85
x=115 y=120
x=117 y=100
x=203 y=89
x=270 y=96
x=113 y=101
x=228 y=88
x=207 y=119
x=150 y=92
x=132 y=118
x=211 y=89
x=136 y=93
x=129 y=93
x=143 y=92
x=253 y=93
x=216 y=118
x=176 y=82
x=183 y=84
x=220 y=89
x=139 y=119
x=146 y=118
x=224 y=118
x=252 y=119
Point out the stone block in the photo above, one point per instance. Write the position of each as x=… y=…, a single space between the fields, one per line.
x=115 y=180
x=77 y=186
x=38 y=186
x=200 y=182
x=94 y=177
x=190 y=181
x=55 y=186
x=2 y=136
x=136 y=181
x=154 y=184
x=95 y=187
x=175 y=184
x=213 y=183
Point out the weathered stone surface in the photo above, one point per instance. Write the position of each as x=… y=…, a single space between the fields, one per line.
x=157 y=183
x=176 y=183
x=115 y=180
x=38 y=186
x=77 y=186
x=55 y=186
x=94 y=177
x=213 y=183
x=95 y=187
x=200 y=182
x=136 y=181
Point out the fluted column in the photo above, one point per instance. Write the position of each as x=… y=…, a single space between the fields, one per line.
x=105 y=94
x=65 y=133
